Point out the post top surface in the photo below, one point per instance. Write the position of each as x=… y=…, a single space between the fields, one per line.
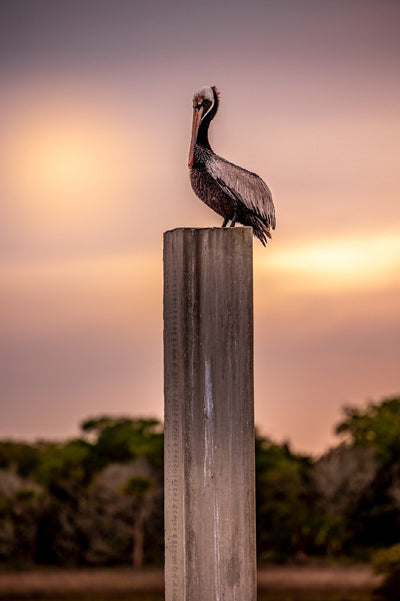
x=224 y=230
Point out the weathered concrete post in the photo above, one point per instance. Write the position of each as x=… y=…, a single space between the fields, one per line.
x=209 y=415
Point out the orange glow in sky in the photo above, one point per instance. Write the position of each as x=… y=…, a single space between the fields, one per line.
x=340 y=264
x=65 y=166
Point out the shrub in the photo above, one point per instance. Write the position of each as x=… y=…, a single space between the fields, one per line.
x=387 y=561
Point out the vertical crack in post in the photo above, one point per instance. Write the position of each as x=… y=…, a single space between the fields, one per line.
x=209 y=470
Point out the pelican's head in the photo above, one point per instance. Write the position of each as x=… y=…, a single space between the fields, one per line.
x=205 y=104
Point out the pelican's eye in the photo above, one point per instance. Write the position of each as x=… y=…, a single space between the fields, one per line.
x=198 y=101
x=202 y=102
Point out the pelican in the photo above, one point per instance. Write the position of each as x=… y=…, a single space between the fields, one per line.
x=236 y=194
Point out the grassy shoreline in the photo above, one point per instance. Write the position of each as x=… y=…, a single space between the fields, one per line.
x=50 y=583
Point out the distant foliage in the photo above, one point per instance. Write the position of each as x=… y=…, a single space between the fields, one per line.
x=285 y=497
x=20 y=456
x=92 y=500
x=375 y=519
x=377 y=427
x=387 y=562
x=98 y=499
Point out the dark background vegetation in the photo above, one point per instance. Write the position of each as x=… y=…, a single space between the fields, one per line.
x=98 y=499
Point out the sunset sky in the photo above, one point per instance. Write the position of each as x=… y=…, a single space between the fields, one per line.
x=95 y=117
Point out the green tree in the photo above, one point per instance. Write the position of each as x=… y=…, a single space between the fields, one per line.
x=138 y=489
x=123 y=439
x=376 y=517
x=21 y=505
x=64 y=473
x=342 y=478
x=377 y=426
x=284 y=501
x=64 y=467
x=387 y=562
x=22 y=457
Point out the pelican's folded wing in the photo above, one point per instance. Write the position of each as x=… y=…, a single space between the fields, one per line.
x=243 y=186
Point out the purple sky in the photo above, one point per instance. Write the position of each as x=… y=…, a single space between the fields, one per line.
x=95 y=114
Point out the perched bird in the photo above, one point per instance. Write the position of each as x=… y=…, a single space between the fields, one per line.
x=234 y=193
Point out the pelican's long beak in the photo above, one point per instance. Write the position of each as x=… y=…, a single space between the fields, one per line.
x=197 y=115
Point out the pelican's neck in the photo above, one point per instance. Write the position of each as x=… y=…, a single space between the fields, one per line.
x=202 y=134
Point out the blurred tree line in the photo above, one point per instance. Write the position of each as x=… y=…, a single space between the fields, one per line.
x=98 y=499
